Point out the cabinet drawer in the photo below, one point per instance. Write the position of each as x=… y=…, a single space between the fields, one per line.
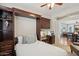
x=6 y=42
x=7 y=47
x=6 y=53
x=1 y=36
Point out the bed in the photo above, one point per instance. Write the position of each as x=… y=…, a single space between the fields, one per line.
x=39 y=49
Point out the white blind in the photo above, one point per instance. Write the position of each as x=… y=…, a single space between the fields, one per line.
x=24 y=26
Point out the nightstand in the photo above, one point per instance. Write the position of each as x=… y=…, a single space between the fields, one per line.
x=49 y=39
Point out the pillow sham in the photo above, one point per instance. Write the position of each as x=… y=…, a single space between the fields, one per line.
x=20 y=38
x=29 y=39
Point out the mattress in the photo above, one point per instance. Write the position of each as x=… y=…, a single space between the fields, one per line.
x=39 y=49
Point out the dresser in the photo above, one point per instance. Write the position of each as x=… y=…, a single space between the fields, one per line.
x=49 y=39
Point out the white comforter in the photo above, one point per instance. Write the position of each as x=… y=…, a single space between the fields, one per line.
x=39 y=49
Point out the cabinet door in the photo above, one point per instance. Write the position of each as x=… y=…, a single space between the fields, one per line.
x=45 y=23
x=7 y=35
x=1 y=36
x=1 y=24
x=8 y=30
x=1 y=30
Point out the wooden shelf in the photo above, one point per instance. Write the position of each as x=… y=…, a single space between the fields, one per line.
x=6 y=18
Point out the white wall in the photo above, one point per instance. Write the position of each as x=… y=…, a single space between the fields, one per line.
x=55 y=27
x=24 y=26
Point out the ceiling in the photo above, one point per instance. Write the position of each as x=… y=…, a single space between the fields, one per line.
x=44 y=11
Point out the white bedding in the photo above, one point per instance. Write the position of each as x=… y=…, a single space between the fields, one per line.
x=39 y=49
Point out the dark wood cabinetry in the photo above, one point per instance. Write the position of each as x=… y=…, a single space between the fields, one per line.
x=44 y=23
x=6 y=32
x=6 y=25
x=49 y=39
x=6 y=48
x=38 y=28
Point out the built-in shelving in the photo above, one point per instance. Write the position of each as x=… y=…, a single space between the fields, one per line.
x=6 y=24
x=6 y=32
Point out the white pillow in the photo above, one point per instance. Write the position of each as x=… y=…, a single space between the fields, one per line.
x=20 y=38
x=29 y=39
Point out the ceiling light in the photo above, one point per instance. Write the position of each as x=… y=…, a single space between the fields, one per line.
x=51 y=5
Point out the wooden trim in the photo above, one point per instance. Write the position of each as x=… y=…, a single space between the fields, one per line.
x=45 y=18
x=38 y=27
x=6 y=8
x=67 y=15
x=19 y=12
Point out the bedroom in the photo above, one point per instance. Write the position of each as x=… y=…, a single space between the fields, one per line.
x=32 y=22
